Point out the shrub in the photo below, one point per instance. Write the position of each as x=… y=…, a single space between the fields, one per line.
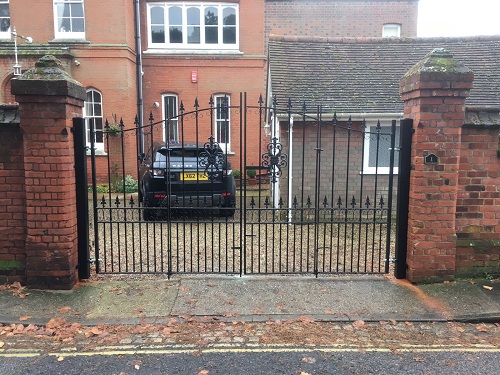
x=251 y=173
x=236 y=173
x=131 y=185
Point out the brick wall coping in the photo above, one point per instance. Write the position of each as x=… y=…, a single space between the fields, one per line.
x=482 y=117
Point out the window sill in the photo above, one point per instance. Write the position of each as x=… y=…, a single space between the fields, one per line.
x=166 y=51
x=68 y=41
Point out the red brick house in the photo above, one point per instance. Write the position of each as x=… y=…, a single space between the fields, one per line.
x=142 y=56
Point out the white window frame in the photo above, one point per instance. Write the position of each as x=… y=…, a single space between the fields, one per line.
x=384 y=145
x=6 y=34
x=174 y=120
x=58 y=34
x=202 y=45
x=225 y=146
x=391 y=30
x=99 y=146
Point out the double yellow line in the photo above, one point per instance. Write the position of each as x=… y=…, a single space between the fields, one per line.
x=237 y=349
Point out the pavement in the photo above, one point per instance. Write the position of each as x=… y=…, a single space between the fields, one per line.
x=128 y=300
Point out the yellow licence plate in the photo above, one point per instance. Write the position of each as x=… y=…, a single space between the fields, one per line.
x=194 y=176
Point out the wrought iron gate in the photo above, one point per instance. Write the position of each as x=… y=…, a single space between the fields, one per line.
x=314 y=194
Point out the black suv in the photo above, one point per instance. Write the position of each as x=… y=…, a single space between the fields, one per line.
x=185 y=176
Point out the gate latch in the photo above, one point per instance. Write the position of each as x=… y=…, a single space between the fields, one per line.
x=390 y=260
x=94 y=260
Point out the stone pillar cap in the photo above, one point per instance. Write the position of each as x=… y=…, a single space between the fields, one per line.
x=48 y=78
x=438 y=60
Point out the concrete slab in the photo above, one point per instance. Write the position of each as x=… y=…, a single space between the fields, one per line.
x=370 y=298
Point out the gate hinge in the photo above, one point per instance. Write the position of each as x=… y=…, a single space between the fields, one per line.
x=93 y=260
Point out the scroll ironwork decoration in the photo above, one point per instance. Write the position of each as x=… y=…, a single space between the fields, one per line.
x=274 y=159
x=211 y=159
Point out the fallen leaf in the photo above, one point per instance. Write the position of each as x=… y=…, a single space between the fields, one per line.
x=309 y=360
x=2 y=344
x=306 y=319
x=418 y=359
x=137 y=367
x=64 y=310
x=472 y=282
x=482 y=328
x=304 y=373
x=383 y=323
x=329 y=312
x=60 y=359
x=94 y=331
x=359 y=324
x=203 y=372
x=24 y=318
x=55 y=322
x=460 y=329
x=487 y=287
x=409 y=323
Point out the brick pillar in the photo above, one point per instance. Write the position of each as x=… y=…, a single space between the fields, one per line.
x=434 y=93
x=48 y=99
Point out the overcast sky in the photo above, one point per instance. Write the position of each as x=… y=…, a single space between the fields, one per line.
x=458 y=17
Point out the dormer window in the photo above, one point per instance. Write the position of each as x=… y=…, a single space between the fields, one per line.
x=391 y=30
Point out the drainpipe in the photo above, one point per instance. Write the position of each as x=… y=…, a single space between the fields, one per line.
x=138 y=64
x=290 y=169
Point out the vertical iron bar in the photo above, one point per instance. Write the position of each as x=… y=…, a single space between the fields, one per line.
x=243 y=162
x=403 y=197
x=317 y=192
x=332 y=201
x=82 y=197
x=389 y=197
x=349 y=129
x=377 y=149
x=301 y=246
x=94 y=196
x=122 y=133
x=363 y=134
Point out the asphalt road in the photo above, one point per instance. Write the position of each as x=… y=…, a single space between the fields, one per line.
x=259 y=360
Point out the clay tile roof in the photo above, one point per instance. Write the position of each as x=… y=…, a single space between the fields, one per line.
x=358 y=75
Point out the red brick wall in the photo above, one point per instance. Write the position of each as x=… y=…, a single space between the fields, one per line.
x=340 y=18
x=12 y=205
x=478 y=203
x=434 y=92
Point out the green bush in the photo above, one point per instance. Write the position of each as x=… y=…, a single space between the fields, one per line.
x=131 y=185
x=236 y=173
x=251 y=173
